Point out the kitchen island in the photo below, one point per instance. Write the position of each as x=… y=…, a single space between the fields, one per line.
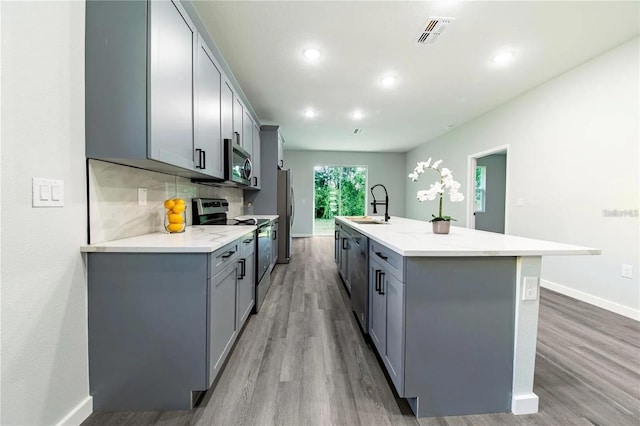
x=454 y=317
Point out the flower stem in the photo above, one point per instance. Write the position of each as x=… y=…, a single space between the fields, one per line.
x=440 y=210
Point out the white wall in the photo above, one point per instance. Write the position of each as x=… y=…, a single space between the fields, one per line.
x=573 y=152
x=44 y=308
x=384 y=168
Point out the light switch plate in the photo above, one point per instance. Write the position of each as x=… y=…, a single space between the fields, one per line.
x=142 y=196
x=530 y=288
x=47 y=192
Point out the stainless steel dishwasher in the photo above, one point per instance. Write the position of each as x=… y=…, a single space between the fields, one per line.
x=358 y=255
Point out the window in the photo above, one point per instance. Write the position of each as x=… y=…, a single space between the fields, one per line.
x=481 y=186
x=338 y=191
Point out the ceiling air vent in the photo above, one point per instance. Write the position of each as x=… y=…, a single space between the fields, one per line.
x=433 y=29
x=357 y=131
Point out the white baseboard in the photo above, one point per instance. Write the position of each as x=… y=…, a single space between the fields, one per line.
x=78 y=414
x=592 y=300
x=524 y=404
x=301 y=235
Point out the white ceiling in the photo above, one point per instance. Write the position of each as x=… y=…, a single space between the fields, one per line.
x=447 y=83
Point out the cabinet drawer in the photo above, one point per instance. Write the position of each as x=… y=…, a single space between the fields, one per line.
x=392 y=261
x=247 y=244
x=222 y=257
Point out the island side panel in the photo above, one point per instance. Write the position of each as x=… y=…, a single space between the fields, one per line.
x=459 y=335
x=524 y=401
x=147 y=329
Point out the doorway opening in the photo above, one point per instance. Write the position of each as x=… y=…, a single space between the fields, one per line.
x=487 y=190
x=337 y=191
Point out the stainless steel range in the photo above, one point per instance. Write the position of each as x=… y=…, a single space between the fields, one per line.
x=213 y=211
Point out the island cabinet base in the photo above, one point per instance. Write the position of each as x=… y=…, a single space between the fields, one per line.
x=459 y=341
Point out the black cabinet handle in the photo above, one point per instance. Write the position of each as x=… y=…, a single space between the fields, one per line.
x=381 y=256
x=378 y=280
x=337 y=236
x=243 y=268
x=381 y=283
x=199 y=155
x=203 y=163
x=255 y=181
x=248 y=241
x=275 y=234
x=344 y=240
x=228 y=254
x=281 y=163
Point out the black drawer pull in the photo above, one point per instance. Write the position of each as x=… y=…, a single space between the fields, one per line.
x=381 y=256
x=248 y=241
x=381 y=283
x=275 y=234
x=378 y=280
x=228 y=254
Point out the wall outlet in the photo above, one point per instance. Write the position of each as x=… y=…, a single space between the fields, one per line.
x=530 y=288
x=627 y=271
x=142 y=196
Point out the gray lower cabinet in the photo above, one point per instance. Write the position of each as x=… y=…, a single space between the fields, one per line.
x=247 y=277
x=161 y=325
x=387 y=319
x=274 y=242
x=223 y=320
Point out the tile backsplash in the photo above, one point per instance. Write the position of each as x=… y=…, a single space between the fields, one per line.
x=114 y=212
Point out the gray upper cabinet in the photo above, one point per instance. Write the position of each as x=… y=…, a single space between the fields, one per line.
x=156 y=96
x=171 y=52
x=255 y=157
x=209 y=150
x=247 y=132
x=280 y=151
x=227 y=102
x=238 y=115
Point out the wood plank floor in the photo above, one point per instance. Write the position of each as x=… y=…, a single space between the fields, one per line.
x=303 y=361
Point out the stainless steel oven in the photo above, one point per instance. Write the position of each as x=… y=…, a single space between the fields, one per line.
x=237 y=163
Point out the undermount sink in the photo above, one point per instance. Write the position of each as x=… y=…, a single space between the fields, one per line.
x=365 y=220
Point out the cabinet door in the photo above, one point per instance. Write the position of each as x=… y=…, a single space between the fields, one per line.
x=171 y=53
x=280 y=152
x=222 y=317
x=255 y=158
x=394 y=340
x=208 y=143
x=246 y=287
x=247 y=133
x=274 y=242
x=238 y=114
x=227 y=109
x=344 y=257
x=378 y=308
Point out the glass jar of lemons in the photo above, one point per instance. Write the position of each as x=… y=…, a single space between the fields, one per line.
x=175 y=220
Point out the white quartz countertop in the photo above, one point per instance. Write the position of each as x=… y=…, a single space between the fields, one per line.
x=415 y=238
x=195 y=239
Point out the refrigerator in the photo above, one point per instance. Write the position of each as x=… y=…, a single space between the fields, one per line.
x=286 y=211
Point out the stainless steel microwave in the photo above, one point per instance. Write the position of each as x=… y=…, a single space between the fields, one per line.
x=237 y=163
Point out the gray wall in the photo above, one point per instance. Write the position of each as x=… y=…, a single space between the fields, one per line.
x=385 y=168
x=492 y=219
x=573 y=154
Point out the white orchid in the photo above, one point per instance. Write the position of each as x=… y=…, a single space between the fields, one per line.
x=438 y=188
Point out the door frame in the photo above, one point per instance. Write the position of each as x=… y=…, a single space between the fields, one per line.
x=471 y=184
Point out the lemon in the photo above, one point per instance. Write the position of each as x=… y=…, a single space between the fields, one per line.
x=175 y=218
x=178 y=201
x=174 y=227
x=168 y=204
x=178 y=208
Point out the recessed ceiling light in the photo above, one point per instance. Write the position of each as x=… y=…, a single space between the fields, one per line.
x=309 y=113
x=311 y=54
x=388 y=80
x=357 y=114
x=504 y=57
